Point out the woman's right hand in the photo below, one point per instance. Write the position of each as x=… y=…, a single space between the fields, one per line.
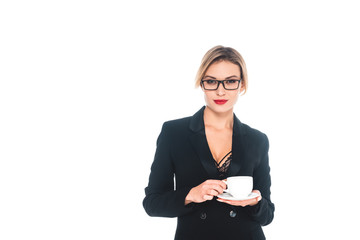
x=205 y=191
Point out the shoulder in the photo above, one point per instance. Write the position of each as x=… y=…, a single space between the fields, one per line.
x=181 y=122
x=176 y=126
x=179 y=129
x=255 y=136
x=252 y=131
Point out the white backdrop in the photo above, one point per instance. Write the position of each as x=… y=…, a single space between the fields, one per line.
x=86 y=85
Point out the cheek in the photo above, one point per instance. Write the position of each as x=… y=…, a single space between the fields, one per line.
x=234 y=96
x=208 y=95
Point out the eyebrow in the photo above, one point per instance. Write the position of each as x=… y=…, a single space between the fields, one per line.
x=207 y=76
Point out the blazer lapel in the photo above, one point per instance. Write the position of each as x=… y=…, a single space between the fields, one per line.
x=239 y=146
x=200 y=145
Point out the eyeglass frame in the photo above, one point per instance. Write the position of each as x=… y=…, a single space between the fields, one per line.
x=222 y=82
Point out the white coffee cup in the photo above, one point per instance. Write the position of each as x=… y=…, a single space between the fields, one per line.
x=239 y=186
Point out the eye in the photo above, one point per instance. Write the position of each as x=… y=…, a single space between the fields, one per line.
x=211 y=82
x=230 y=81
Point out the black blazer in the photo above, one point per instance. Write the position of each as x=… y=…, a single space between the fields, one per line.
x=183 y=155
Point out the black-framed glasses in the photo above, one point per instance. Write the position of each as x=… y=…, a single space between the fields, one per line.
x=212 y=85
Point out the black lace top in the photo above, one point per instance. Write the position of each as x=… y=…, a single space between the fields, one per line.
x=222 y=168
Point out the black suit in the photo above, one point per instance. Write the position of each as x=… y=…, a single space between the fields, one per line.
x=183 y=153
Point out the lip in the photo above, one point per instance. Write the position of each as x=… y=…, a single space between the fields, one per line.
x=220 y=101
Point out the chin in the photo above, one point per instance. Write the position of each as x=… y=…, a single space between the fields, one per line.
x=220 y=108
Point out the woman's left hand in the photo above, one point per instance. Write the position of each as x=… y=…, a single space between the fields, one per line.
x=243 y=203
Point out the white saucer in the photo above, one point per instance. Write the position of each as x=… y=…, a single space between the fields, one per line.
x=228 y=196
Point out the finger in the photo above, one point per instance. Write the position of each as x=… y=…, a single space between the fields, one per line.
x=218 y=188
x=212 y=192
x=249 y=202
x=218 y=183
x=223 y=184
x=259 y=197
x=208 y=197
x=242 y=203
x=224 y=200
x=256 y=191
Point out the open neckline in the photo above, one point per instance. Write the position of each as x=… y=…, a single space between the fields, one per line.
x=218 y=165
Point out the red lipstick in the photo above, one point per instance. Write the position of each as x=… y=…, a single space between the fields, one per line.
x=220 y=101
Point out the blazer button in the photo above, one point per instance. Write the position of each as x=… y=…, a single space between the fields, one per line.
x=232 y=214
x=203 y=216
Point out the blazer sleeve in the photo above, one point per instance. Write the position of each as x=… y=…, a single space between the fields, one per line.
x=162 y=199
x=263 y=212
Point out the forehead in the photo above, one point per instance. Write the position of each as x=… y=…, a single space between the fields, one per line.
x=223 y=69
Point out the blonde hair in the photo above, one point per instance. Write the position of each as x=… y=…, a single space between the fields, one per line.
x=221 y=53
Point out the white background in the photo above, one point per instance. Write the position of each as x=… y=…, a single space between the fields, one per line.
x=86 y=85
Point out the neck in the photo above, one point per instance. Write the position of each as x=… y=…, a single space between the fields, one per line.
x=218 y=120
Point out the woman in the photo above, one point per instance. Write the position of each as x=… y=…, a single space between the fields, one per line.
x=199 y=152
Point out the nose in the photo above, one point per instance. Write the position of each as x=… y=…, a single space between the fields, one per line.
x=221 y=90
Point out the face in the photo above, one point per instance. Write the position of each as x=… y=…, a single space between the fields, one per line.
x=222 y=70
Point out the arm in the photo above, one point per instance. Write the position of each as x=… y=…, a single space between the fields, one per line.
x=263 y=212
x=161 y=198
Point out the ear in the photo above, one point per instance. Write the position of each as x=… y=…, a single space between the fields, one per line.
x=202 y=88
x=242 y=87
